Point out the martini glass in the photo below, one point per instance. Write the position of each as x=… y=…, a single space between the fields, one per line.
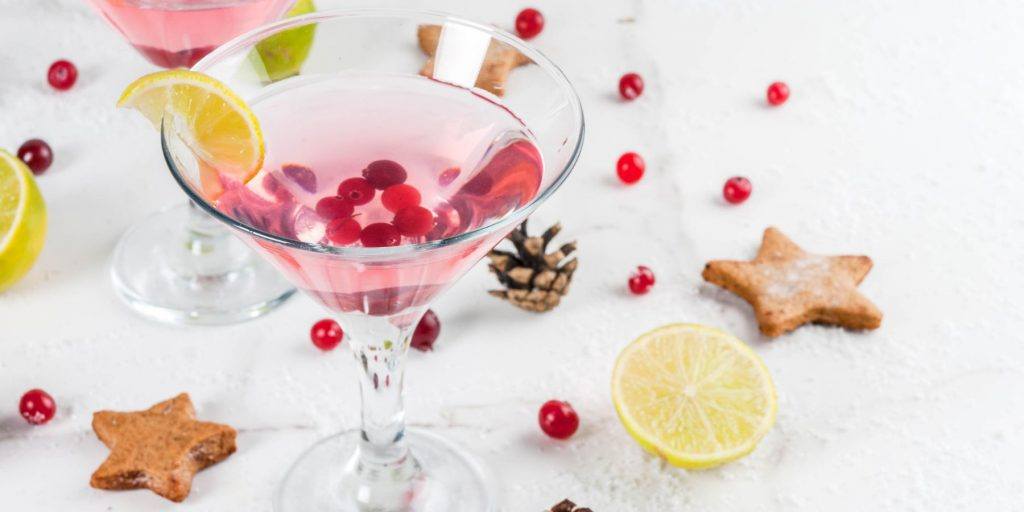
x=356 y=125
x=179 y=265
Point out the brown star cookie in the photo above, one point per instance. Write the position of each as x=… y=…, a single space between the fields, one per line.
x=498 y=62
x=159 y=449
x=789 y=287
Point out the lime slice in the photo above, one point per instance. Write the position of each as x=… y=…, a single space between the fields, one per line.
x=212 y=120
x=22 y=220
x=694 y=395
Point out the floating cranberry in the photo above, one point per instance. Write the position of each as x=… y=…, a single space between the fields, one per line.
x=302 y=176
x=380 y=234
x=737 y=189
x=414 y=221
x=400 y=196
x=37 y=155
x=343 y=231
x=333 y=207
x=631 y=86
x=426 y=332
x=558 y=419
x=62 y=75
x=778 y=93
x=448 y=176
x=630 y=167
x=529 y=23
x=357 y=191
x=37 y=407
x=384 y=173
x=641 y=281
x=326 y=334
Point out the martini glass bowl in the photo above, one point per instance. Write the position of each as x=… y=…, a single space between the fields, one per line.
x=482 y=161
x=178 y=265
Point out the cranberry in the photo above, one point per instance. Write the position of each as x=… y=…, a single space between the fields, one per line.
x=778 y=93
x=37 y=155
x=631 y=85
x=356 y=190
x=558 y=419
x=630 y=167
x=62 y=75
x=414 y=221
x=37 y=407
x=380 y=234
x=384 y=173
x=737 y=189
x=331 y=208
x=641 y=281
x=529 y=23
x=343 y=231
x=426 y=332
x=401 y=196
x=326 y=334
x=448 y=176
x=302 y=176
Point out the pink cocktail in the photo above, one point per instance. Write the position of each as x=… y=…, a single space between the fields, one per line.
x=425 y=161
x=379 y=189
x=177 y=33
x=178 y=265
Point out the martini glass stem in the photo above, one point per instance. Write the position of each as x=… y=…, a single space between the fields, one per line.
x=382 y=472
x=210 y=251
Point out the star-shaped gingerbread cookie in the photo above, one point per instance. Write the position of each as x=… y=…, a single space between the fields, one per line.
x=789 y=287
x=498 y=62
x=159 y=449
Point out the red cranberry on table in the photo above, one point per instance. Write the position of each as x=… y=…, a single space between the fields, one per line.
x=529 y=23
x=631 y=86
x=426 y=332
x=37 y=407
x=326 y=334
x=737 y=189
x=37 y=155
x=558 y=419
x=62 y=75
x=778 y=93
x=630 y=167
x=641 y=281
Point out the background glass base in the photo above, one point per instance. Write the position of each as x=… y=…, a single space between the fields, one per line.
x=451 y=479
x=169 y=273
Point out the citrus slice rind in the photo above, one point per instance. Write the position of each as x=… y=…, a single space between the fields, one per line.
x=215 y=123
x=694 y=395
x=22 y=220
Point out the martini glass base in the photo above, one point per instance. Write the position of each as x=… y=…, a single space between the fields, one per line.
x=450 y=480
x=167 y=273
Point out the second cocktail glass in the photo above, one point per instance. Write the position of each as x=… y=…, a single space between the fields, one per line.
x=379 y=189
x=179 y=265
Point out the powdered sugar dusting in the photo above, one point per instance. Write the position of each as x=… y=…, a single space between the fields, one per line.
x=801 y=275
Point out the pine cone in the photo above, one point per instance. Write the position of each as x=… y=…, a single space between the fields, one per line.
x=568 y=506
x=533 y=279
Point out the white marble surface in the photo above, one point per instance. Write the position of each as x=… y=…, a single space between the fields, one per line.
x=902 y=140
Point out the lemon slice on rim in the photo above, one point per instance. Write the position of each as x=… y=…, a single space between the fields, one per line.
x=22 y=219
x=694 y=395
x=216 y=124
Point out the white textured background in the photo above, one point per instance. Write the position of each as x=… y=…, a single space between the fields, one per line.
x=903 y=140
